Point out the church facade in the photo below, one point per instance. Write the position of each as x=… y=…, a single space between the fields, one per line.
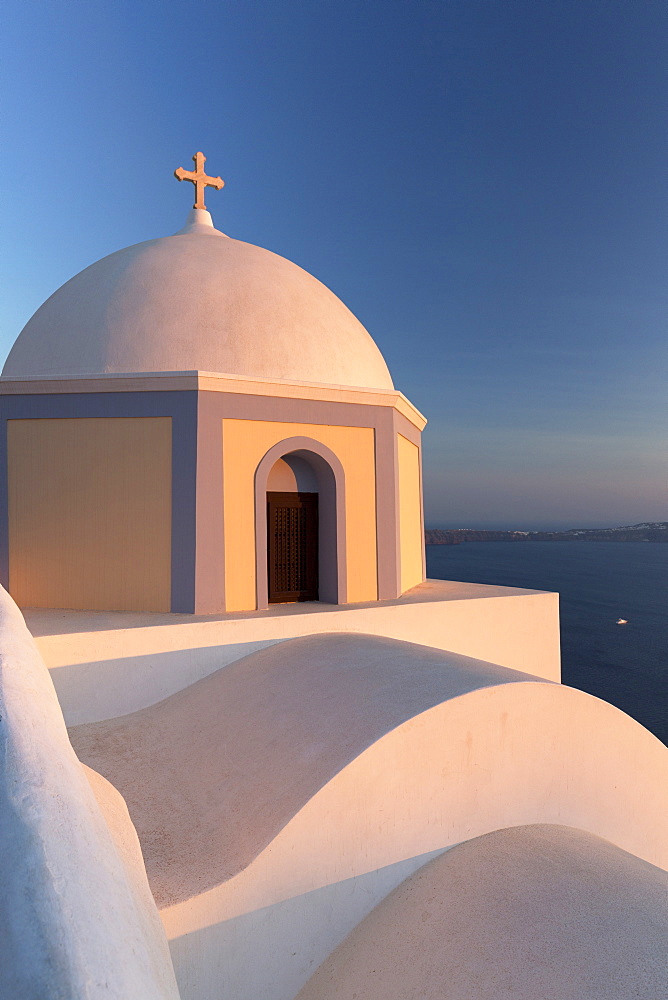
x=197 y=425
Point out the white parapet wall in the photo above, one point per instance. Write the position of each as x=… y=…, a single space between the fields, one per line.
x=106 y=664
x=77 y=919
x=545 y=910
x=323 y=771
x=524 y=752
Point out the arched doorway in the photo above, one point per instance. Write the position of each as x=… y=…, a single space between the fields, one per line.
x=300 y=525
x=292 y=531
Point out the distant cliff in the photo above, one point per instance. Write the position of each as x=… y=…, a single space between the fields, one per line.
x=656 y=531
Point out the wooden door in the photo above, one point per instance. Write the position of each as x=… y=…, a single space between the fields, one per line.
x=292 y=547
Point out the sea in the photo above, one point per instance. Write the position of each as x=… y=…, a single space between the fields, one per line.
x=599 y=583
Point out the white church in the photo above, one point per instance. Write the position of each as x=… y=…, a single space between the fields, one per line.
x=249 y=750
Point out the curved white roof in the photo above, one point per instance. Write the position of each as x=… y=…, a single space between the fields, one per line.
x=198 y=301
x=541 y=911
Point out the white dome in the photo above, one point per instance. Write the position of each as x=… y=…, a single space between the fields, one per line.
x=198 y=301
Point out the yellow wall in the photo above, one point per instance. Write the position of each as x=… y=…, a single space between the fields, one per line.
x=410 y=514
x=245 y=442
x=90 y=513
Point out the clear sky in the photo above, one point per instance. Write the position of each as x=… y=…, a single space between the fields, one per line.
x=484 y=184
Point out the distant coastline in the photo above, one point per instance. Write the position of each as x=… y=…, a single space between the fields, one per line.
x=656 y=531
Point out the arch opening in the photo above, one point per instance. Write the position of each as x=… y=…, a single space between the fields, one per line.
x=300 y=527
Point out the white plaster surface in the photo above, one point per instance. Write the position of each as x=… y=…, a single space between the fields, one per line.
x=532 y=912
x=113 y=663
x=77 y=921
x=214 y=773
x=198 y=300
x=272 y=951
x=324 y=769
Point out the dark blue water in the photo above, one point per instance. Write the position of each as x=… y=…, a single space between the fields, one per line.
x=599 y=582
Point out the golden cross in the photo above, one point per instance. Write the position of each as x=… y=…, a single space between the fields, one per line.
x=199 y=179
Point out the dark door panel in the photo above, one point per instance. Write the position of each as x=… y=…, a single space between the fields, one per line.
x=292 y=547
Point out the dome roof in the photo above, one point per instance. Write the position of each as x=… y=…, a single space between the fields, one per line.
x=198 y=301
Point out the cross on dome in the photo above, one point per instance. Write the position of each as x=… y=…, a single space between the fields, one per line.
x=199 y=179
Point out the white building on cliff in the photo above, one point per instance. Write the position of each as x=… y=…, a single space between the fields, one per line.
x=346 y=780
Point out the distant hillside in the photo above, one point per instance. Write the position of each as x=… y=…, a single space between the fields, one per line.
x=656 y=531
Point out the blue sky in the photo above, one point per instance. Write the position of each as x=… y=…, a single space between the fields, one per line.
x=485 y=184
